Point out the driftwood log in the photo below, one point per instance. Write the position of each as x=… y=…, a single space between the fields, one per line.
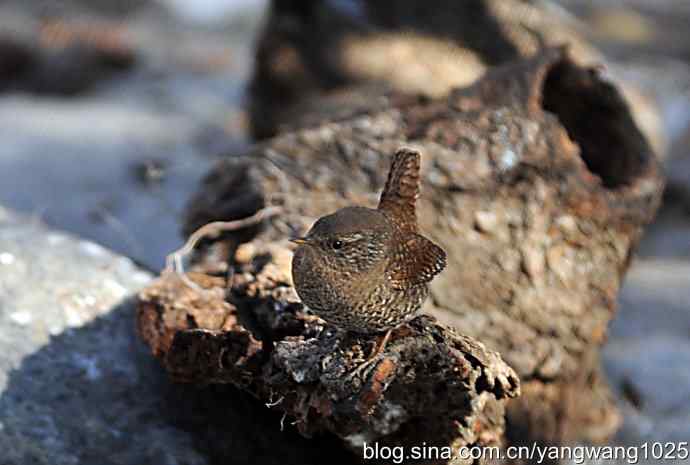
x=537 y=183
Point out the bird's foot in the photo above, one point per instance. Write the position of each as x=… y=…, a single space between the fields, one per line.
x=362 y=368
x=373 y=358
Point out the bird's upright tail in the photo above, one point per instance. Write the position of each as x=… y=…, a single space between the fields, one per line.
x=402 y=189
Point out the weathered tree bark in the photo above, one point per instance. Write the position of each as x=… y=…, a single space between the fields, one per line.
x=432 y=385
x=536 y=182
x=314 y=48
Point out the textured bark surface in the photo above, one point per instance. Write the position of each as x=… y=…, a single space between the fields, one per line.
x=430 y=385
x=314 y=48
x=536 y=182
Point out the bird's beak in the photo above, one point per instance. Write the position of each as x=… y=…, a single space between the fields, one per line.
x=299 y=240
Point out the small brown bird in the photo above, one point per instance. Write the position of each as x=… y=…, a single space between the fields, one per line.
x=365 y=270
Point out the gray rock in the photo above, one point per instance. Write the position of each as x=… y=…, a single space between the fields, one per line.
x=648 y=356
x=76 y=386
x=655 y=300
x=667 y=237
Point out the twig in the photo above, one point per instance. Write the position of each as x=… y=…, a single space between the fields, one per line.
x=174 y=263
x=272 y=403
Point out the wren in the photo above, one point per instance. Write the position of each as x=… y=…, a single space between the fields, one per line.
x=368 y=270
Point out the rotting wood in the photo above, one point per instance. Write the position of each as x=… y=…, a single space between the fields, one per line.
x=536 y=182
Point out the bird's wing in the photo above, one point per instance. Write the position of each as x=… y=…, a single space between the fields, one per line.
x=401 y=190
x=416 y=261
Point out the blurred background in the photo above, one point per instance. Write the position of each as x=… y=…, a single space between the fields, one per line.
x=111 y=112
x=108 y=138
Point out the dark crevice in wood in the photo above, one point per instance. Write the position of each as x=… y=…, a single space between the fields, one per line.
x=599 y=121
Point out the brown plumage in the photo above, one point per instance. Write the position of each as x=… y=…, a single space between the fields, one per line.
x=367 y=270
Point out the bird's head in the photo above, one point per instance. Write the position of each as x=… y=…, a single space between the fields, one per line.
x=349 y=241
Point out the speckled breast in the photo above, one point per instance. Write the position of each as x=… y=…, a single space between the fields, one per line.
x=375 y=308
x=382 y=309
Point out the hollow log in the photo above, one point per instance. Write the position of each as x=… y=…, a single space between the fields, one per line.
x=432 y=385
x=314 y=48
x=537 y=183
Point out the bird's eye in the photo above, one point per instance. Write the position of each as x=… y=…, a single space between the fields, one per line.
x=336 y=244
